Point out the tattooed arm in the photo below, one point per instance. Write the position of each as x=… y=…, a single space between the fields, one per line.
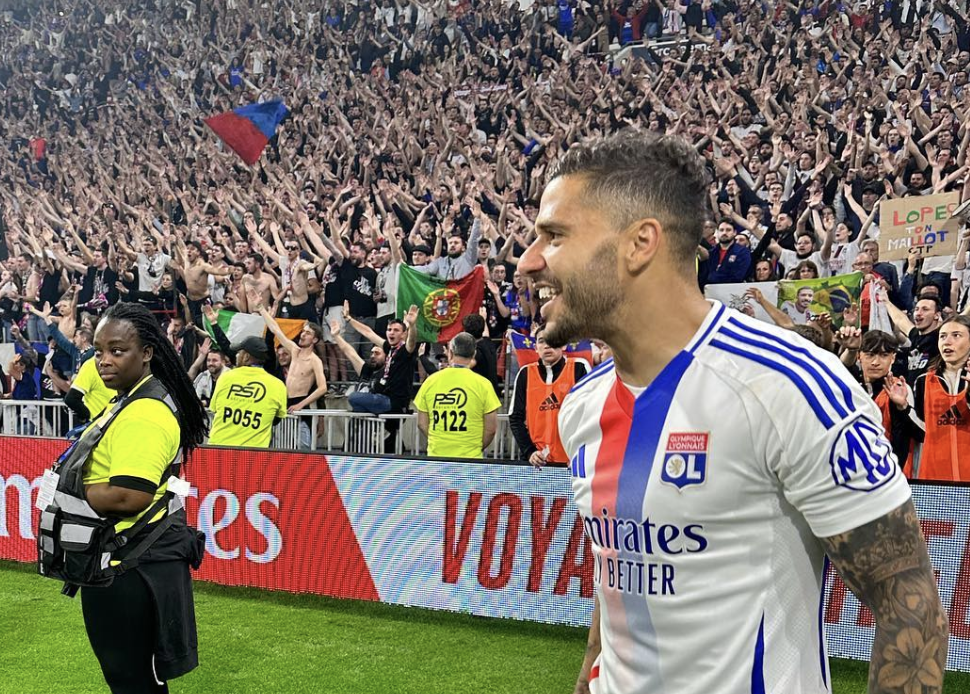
x=885 y=563
x=593 y=648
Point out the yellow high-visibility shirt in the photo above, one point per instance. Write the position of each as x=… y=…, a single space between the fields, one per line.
x=456 y=401
x=136 y=451
x=96 y=394
x=245 y=403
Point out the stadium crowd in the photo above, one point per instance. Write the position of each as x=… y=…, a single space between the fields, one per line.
x=421 y=133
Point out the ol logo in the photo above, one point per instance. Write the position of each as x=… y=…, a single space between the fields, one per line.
x=685 y=460
x=861 y=458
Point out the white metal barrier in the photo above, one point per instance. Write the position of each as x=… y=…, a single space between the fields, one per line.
x=365 y=434
x=49 y=419
x=309 y=430
x=331 y=430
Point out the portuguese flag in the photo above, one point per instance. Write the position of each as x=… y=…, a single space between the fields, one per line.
x=441 y=304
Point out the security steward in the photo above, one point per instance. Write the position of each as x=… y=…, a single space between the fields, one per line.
x=457 y=408
x=248 y=401
x=539 y=391
x=142 y=626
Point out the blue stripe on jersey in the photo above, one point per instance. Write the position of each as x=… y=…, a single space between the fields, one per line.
x=797 y=380
x=649 y=416
x=699 y=343
x=821 y=365
x=821 y=626
x=578 y=464
x=600 y=370
x=797 y=361
x=758 y=667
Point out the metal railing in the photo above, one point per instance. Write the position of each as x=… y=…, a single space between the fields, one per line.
x=336 y=431
x=49 y=419
x=365 y=434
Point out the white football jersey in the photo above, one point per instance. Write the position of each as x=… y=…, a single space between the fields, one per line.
x=703 y=497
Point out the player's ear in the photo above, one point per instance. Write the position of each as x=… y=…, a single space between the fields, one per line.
x=640 y=243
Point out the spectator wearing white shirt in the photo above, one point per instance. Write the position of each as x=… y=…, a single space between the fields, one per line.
x=804 y=250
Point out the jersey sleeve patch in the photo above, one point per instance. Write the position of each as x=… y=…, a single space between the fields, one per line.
x=861 y=458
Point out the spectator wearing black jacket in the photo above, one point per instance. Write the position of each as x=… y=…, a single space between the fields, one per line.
x=486 y=354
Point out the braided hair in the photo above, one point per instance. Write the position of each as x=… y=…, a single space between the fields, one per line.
x=167 y=367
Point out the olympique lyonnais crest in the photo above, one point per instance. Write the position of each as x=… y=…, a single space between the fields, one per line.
x=685 y=459
x=442 y=307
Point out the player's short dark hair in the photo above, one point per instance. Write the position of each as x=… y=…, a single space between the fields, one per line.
x=634 y=175
x=878 y=342
x=398 y=321
x=474 y=325
x=257 y=258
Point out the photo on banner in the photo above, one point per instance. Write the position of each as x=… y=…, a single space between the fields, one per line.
x=804 y=299
x=733 y=296
x=921 y=221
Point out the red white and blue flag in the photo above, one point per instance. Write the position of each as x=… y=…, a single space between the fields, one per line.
x=247 y=129
x=525 y=349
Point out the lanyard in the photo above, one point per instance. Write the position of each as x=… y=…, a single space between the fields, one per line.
x=387 y=362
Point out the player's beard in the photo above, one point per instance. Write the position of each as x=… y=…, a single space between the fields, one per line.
x=587 y=302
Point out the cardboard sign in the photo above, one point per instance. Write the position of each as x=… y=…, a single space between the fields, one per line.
x=921 y=221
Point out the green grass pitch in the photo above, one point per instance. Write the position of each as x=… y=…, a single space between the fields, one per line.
x=263 y=642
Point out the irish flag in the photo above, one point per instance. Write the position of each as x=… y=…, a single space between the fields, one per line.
x=441 y=304
x=238 y=326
